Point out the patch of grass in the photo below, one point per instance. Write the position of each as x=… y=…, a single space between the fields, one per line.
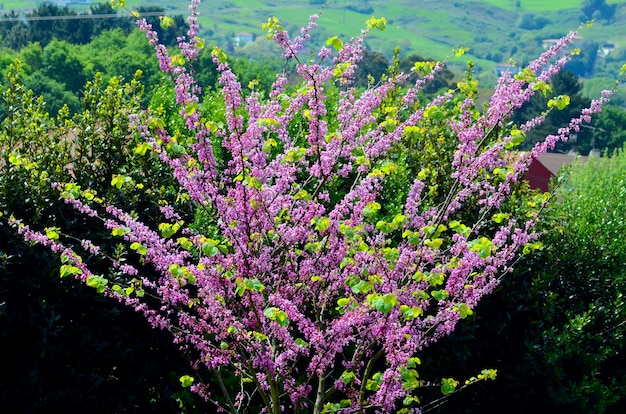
x=536 y=5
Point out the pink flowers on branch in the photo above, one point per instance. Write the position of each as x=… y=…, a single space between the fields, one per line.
x=304 y=287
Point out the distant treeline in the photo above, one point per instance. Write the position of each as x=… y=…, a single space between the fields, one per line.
x=40 y=25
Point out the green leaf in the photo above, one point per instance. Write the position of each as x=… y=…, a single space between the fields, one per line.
x=385 y=227
x=253 y=182
x=384 y=303
x=464 y=310
x=335 y=42
x=411 y=313
x=89 y=195
x=362 y=160
x=483 y=246
x=374 y=23
x=434 y=244
x=560 y=102
x=412 y=237
x=248 y=284
x=219 y=54
x=191 y=108
x=51 y=233
x=321 y=224
x=15 y=159
x=186 y=381
x=119 y=180
x=448 y=385
x=526 y=75
x=459 y=228
x=142 y=148
x=410 y=379
x=488 y=374
x=531 y=247
x=517 y=138
x=398 y=220
x=439 y=294
x=371 y=209
x=97 y=282
x=373 y=384
x=341 y=302
x=211 y=126
x=543 y=87
x=168 y=230
x=166 y=22
x=271 y=27
x=460 y=51
x=277 y=315
x=295 y=154
x=432 y=112
x=302 y=195
x=178 y=149
x=68 y=270
x=301 y=343
x=185 y=243
x=361 y=286
x=413 y=362
x=139 y=248
x=117 y=3
x=348 y=377
x=210 y=249
x=436 y=279
x=178 y=60
x=199 y=42
x=500 y=217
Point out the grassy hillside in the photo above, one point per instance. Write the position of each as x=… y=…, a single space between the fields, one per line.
x=494 y=30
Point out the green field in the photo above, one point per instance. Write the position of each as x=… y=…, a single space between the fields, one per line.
x=431 y=28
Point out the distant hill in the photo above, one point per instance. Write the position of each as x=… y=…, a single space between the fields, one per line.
x=494 y=30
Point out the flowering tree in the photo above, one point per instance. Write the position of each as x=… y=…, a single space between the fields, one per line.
x=299 y=281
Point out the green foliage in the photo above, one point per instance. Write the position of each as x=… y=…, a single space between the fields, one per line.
x=555 y=329
x=65 y=348
x=530 y=21
x=443 y=80
x=559 y=103
x=426 y=151
x=609 y=129
x=54 y=93
x=597 y=8
x=586 y=256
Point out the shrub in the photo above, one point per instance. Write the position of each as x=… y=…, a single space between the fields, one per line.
x=299 y=289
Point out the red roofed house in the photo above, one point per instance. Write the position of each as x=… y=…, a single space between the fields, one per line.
x=547 y=166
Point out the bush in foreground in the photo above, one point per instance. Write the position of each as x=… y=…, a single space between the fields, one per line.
x=298 y=290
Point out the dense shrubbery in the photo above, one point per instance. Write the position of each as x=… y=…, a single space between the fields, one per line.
x=64 y=348
x=555 y=329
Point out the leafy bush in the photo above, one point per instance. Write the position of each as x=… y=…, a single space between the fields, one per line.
x=530 y=21
x=64 y=347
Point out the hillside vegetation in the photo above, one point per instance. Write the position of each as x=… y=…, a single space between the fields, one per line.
x=496 y=31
